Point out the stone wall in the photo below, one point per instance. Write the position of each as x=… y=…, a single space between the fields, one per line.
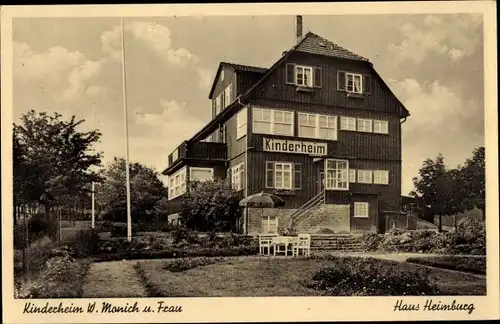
x=332 y=218
x=335 y=218
x=255 y=215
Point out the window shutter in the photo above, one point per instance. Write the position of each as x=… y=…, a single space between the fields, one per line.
x=317 y=77
x=242 y=175
x=297 y=176
x=341 y=80
x=269 y=174
x=214 y=113
x=367 y=84
x=290 y=73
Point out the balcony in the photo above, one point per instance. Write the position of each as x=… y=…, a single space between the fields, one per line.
x=198 y=151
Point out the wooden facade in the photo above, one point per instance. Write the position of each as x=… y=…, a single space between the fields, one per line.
x=326 y=95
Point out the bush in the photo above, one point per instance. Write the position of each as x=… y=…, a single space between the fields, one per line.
x=370 y=241
x=371 y=277
x=460 y=263
x=179 y=253
x=120 y=230
x=62 y=277
x=85 y=242
x=37 y=255
x=183 y=264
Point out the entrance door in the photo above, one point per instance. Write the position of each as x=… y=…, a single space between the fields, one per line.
x=321 y=181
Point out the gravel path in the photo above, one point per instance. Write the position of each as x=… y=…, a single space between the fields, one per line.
x=113 y=280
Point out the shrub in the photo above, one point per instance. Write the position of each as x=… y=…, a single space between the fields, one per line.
x=371 y=277
x=37 y=254
x=85 y=242
x=183 y=264
x=287 y=231
x=62 y=277
x=119 y=230
x=370 y=241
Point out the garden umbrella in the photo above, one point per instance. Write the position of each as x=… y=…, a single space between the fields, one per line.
x=262 y=200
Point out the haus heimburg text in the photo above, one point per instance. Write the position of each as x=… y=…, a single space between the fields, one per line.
x=299 y=147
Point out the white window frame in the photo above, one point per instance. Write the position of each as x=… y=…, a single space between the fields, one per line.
x=237 y=174
x=381 y=177
x=228 y=93
x=283 y=172
x=364 y=206
x=268 y=217
x=241 y=123
x=303 y=83
x=218 y=104
x=175 y=155
x=362 y=123
x=352 y=176
x=336 y=178
x=316 y=118
x=348 y=123
x=363 y=176
x=256 y=111
x=381 y=126
x=177 y=184
x=353 y=76
x=191 y=169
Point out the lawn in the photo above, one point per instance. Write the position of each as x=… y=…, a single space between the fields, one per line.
x=253 y=276
x=454 y=262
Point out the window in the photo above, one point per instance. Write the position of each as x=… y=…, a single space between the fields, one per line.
x=228 y=95
x=177 y=184
x=364 y=176
x=365 y=125
x=218 y=104
x=348 y=123
x=175 y=155
x=361 y=209
x=354 y=82
x=318 y=126
x=380 y=127
x=201 y=174
x=352 y=175
x=237 y=176
x=303 y=76
x=241 y=122
x=222 y=75
x=336 y=174
x=269 y=121
x=283 y=175
x=269 y=224
x=381 y=177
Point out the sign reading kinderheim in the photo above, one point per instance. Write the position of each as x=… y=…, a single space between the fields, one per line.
x=298 y=147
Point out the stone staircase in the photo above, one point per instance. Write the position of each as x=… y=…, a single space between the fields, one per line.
x=335 y=243
x=307 y=210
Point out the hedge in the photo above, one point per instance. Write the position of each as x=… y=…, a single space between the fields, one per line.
x=460 y=263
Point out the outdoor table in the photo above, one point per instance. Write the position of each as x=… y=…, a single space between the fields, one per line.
x=284 y=240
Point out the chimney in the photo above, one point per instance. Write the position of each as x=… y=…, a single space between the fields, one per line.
x=298 y=28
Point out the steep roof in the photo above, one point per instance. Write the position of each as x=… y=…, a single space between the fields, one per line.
x=315 y=44
x=236 y=68
x=309 y=43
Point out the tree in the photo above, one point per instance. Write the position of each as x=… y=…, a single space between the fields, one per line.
x=211 y=206
x=147 y=192
x=474 y=179
x=52 y=158
x=432 y=187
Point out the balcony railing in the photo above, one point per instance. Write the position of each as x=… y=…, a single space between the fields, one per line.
x=199 y=151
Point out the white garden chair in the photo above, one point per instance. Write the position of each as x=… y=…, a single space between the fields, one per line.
x=266 y=241
x=303 y=244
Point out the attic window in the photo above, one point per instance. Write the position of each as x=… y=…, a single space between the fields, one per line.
x=222 y=75
x=321 y=44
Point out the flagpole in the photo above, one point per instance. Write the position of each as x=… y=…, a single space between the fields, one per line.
x=93 y=183
x=127 y=171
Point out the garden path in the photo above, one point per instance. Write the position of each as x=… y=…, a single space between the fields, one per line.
x=113 y=279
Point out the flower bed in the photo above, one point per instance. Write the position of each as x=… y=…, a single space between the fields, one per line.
x=460 y=263
x=357 y=276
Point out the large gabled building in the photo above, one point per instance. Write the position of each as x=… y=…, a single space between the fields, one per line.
x=320 y=128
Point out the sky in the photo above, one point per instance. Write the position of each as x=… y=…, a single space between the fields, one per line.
x=433 y=63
